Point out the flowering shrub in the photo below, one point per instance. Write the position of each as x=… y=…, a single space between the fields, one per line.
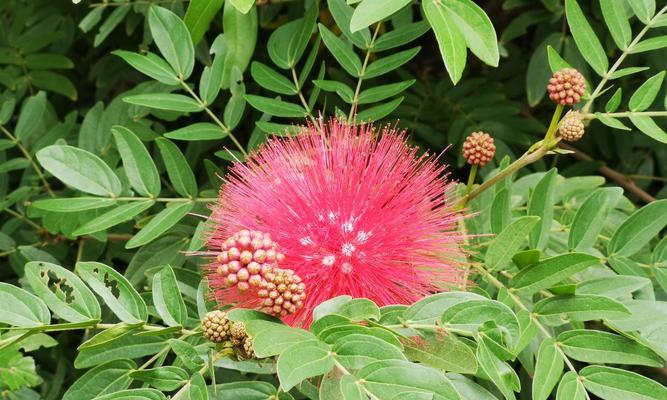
x=332 y=200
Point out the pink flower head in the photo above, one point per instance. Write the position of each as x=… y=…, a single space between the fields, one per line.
x=355 y=212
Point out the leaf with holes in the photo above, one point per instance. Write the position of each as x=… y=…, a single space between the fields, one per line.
x=116 y=291
x=65 y=294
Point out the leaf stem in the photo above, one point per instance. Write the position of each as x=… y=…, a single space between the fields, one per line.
x=214 y=117
x=626 y=114
x=297 y=87
x=362 y=72
x=30 y=159
x=620 y=59
x=170 y=199
x=471 y=181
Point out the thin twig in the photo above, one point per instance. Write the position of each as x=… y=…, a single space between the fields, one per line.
x=30 y=159
x=369 y=51
x=614 y=175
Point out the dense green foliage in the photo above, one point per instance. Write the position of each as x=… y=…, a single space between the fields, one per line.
x=119 y=118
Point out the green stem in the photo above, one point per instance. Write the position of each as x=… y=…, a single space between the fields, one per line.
x=549 y=137
x=357 y=90
x=626 y=114
x=297 y=87
x=471 y=181
x=214 y=117
x=30 y=159
x=170 y=199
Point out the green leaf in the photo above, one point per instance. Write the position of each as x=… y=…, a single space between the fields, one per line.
x=114 y=217
x=470 y=315
x=342 y=14
x=612 y=286
x=53 y=82
x=31 y=116
x=379 y=111
x=391 y=379
x=302 y=361
x=550 y=272
x=167 y=297
x=381 y=92
x=165 y=101
x=14 y=164
x=340 y=88
x=400 y=36
x=275 y=107
x=646 y=124
x=271 y=339
x=196 y=388
x=616 y=384
x=589 y=220
x=160 y=223
x=643 y=9
x=134 y=394
x=73 y=204
x=197 y=131
x=611 y=122
x=444 y=353
x=199 y=15
x=165 y=378
x=173 y=39
x=450 y=39
x=7 y=110
x=597 y=347
x=355 y=351
x=343 y=53
x=429 y=309
x=115 y=18
x=106 y=336
x=139 y=166
x=541 y=204
x=270 y=79
x=583 y=307
x=469 y=389
x=501 y=374
x=614 y=101
x=234 y=109
x=627 y=71
x=508 y=242
x=211 y=80
x=122 y=348
x=501 y=211
x=643 y=97
x=22 y=309
x=187 y=353
x=116 y=291
x=642 y=226
x=79 y=169
x=390 y=63
x=370 y=12
x=588 y=44
x=651 y=44
x=477 y=29
x=570 y=388
x=151 y=65
x=617 y=21
x=287 y=43
x=548 y=369
x=178 y=169
x=240 y=38
x=103 y=379
x=243 y=5
x=62 y=291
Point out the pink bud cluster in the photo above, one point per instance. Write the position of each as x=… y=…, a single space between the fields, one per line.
x=566 y=86
x=248 y=260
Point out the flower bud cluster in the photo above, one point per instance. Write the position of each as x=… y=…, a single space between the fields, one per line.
x=217 y=328
x=479 y=148
x=566 y=86
x=571 y=128
x=249 y=261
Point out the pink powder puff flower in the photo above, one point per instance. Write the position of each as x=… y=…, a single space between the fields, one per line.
x=355 y=212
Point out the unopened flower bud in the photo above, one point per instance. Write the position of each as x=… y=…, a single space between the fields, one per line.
x=478 y=148
x=566 y=86
x=571 y=128
x=215 y=326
